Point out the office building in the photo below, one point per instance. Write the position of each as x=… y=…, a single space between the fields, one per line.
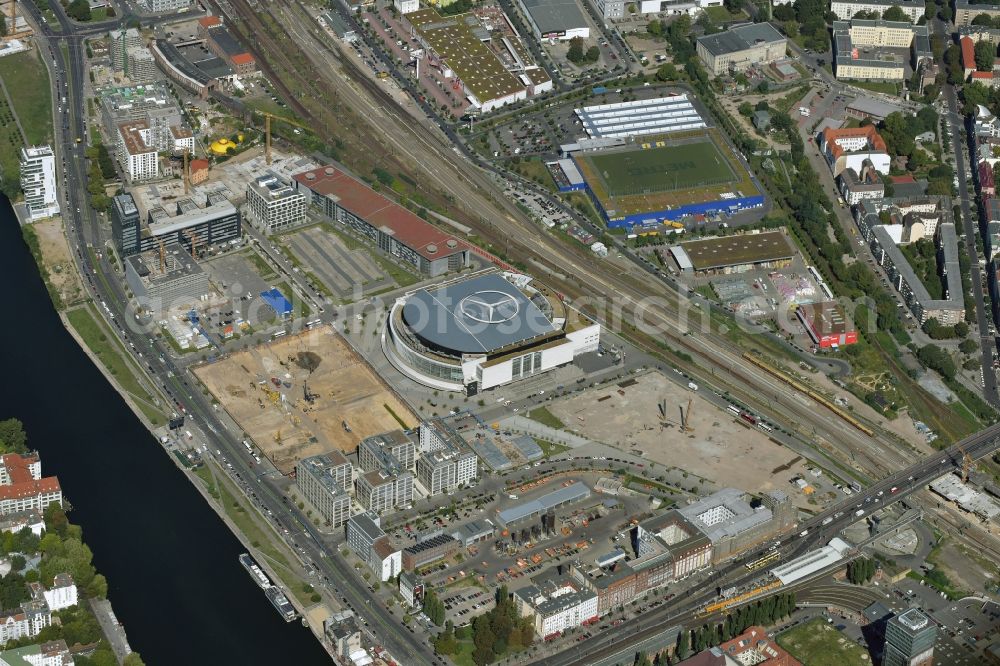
x=324 y=482
x=38 y=182
x=848 y=9
x=125 y=224
x=274 y=206
x=734 y=522
x=909 y=640
x=736 y=49
x=165 y=278
x=22 y=486
x=445 y=463
x=430 y=550
x=391 y=451
x=160 y=6
x=406 y=6
x=367 y=539
x=557 y=604
x=192 y=226
x=381 y=491
x=385 y=559
x=444 y=471
x=363 y=530
x=879 y=50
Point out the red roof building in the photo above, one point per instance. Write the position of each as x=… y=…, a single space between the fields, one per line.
x=968 y=55
x=827 y=324
x=22 y=487
x=393 y=228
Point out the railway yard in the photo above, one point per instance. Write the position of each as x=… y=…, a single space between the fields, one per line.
x=430 y=389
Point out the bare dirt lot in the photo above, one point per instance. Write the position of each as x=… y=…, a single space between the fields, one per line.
x=719 y=447
x=58 y=260
x=264 y=389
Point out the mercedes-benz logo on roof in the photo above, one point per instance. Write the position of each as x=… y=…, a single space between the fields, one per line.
x=489 y=307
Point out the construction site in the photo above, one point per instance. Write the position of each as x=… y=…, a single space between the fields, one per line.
x=304 y=395
x=653 y=417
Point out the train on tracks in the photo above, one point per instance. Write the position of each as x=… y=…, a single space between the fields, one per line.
x=798 y=386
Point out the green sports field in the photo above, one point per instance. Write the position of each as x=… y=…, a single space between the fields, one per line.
x=662 y=168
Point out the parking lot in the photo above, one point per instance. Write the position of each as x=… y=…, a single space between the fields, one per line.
x=239 y=276
x=349 y=274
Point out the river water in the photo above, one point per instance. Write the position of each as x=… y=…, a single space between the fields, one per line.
x=170 y=561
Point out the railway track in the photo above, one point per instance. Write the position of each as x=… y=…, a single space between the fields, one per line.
x=573 y=270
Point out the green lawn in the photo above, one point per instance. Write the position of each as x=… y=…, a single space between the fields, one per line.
x=114 y=358
x=545 y=417
x=817 y=643
x=27 y=82
x=550 y=449
x=260 y=265
x=534 y=170
x=886 y=87
x=661 y=168
x=723 y=15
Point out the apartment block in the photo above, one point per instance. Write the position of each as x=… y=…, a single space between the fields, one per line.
x=38 y=182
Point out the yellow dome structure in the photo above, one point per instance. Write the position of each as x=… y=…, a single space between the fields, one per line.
x=221 y=146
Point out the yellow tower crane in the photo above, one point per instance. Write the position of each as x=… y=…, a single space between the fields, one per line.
x=267 y=130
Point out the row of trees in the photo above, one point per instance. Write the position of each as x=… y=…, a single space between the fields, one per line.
x=433 y=608
x=762 y=613
x=861 y=570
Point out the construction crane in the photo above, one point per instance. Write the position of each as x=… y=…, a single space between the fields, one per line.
x=686 y=417
x=12 y=32
x=193 y=237
x=267 y=130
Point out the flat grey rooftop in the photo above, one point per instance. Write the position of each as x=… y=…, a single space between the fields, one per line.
x=740 y=38
x=481 y=315
x=554 y=16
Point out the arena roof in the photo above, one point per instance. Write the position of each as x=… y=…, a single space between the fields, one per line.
x=479 y=315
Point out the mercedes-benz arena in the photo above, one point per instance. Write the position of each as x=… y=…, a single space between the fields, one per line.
x=477 y=332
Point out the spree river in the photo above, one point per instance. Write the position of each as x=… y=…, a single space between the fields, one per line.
x=170 y=561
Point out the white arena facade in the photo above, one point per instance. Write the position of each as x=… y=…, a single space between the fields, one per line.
x=478 y=332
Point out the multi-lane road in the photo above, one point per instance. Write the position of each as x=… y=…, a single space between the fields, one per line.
x=878 y=496
x=102 y=282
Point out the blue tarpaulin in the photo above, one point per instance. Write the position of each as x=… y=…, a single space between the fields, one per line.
x=277 y=301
